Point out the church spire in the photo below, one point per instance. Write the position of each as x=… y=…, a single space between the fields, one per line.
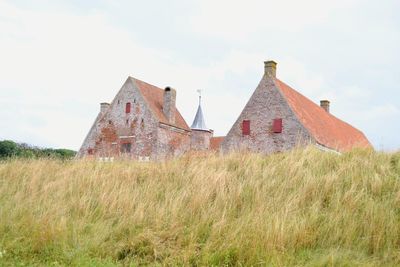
x=198 y=122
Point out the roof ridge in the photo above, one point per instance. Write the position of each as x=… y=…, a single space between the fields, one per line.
x=156 y=87
x=153 y=96
x=309 y=100
x=324 y=127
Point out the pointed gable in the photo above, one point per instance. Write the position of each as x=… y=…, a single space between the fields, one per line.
x=154 y=96
x=328 y=130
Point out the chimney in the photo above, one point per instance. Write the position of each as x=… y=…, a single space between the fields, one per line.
x=270 y=68
x=325 y=105
x=169 y=104
x=103 y=107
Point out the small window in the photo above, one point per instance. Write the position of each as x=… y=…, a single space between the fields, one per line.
x=90 y=151
x=128 y=108
x=109 y=122
x=277 y=125
x=246 y=127
x=134 y=100
x=118 y=101
x=127 y=121
x=126 y=148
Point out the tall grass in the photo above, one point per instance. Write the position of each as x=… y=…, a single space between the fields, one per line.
x=300 y=208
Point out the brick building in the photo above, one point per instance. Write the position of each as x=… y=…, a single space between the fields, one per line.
x=278 y=118
x=142 y=122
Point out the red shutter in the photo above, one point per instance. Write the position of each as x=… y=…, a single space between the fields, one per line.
x=246 y=127
x=128 y=108
x=277 y=125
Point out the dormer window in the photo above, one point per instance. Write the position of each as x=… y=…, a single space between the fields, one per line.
x=128 y=108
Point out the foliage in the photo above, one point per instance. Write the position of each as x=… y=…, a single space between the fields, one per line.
x=10 y=149
x=298 y=208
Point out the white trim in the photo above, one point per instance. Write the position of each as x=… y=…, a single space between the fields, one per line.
x=327 y=149
x=144 y=158
x=106 y=159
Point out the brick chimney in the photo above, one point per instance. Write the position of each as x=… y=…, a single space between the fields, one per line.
x=103 y=107
x=270 y=68
x=325 y=105
x=169 y=104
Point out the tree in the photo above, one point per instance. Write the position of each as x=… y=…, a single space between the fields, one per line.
x=23 y=150
x=8 y=149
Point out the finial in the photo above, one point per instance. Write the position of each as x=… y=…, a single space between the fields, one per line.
x=199 y=92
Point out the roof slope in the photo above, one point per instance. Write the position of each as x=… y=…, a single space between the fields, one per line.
x=328 y=130
x=198 y=122
x=154 y=96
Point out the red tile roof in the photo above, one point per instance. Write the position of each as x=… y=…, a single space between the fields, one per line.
x=154 y=97
x=328 y=130
x=215 y=142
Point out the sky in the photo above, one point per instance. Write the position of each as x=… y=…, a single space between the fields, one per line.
x=59 y=59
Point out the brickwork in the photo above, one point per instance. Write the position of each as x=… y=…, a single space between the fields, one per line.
x=142 y=122
x=171 y=141
x=265 y=105
x=200 y=139
x=148 y=137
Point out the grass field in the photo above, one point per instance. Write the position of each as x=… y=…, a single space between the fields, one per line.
x=300 y=208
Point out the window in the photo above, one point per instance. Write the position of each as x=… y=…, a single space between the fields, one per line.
x=127 y=122
x=277 y=125
x=90 y=151
x=128 y=108
x=126 y=147
x=246 y=127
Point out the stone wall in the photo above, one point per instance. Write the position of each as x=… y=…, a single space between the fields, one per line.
x=171 y=141
x=266 y=104
x=200 y=139
x=148 y=138
x=115 y=127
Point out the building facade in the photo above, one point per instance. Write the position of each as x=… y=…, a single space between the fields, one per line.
x=142 y=122
x=278 y=118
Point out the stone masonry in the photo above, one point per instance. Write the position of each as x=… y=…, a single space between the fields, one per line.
x=142 y=122
x=266 y=104
x=136 y=134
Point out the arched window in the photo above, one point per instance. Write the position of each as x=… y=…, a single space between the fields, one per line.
x=128 y=107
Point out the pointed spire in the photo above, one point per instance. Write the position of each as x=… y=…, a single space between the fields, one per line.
x=198 y=122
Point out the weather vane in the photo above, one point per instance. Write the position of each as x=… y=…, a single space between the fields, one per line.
x=199 y=92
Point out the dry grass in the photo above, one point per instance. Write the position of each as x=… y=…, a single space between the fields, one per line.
x=301 y=208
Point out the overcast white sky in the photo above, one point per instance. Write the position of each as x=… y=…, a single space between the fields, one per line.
x=60 y=59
